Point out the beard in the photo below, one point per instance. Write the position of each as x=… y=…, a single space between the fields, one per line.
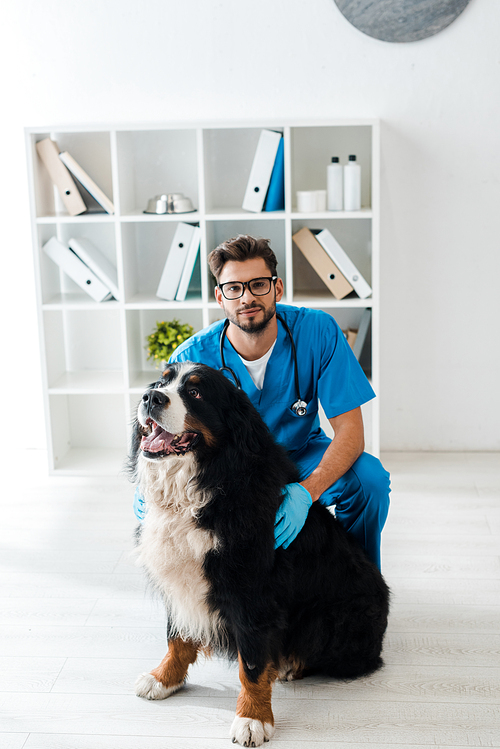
x=252 y=326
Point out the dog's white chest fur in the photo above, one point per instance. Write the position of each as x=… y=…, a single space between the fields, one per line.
x=173 y=547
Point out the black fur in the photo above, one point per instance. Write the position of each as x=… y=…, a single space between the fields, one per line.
x=321 y=602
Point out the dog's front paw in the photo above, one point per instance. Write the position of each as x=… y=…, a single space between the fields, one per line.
x=250 y=732
x=147 y=686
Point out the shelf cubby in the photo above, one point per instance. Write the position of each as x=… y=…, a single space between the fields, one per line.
x=83 y=350
x=312 y=149
x=354 y=236
x=56 y=287
x=139 y=324
x=92 y=151
x=228 y=157
x=156 y=162
x=145 y=247
x=89 y=433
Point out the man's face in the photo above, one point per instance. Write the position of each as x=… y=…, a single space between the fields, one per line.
x=249 y=313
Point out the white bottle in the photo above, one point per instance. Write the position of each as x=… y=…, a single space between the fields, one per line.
x=352 y=185
x=335 y=185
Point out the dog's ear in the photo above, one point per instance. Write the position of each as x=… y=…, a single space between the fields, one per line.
x=135 y=442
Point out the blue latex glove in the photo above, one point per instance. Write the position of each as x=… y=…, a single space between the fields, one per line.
x=291 y=515
x=139 y=505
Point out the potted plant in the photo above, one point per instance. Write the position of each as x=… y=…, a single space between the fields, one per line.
x=163 y=341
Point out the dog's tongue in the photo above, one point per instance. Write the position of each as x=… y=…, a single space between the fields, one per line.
x=158 y=441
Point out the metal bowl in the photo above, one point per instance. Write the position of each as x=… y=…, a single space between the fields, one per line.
x=173 y=202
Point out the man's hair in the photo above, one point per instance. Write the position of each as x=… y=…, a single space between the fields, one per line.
x=241 y=248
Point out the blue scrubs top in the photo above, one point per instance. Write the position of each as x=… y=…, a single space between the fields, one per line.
x=328 y=372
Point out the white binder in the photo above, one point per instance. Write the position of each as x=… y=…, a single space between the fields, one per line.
x=97 y=262
x=76 y=270
x=174 y=265
x=88 y=183
x=344 y=263
x=262 y=167
x=187 y=271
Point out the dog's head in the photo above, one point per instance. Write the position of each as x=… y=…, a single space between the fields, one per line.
x=196 y=414
x=185 y=410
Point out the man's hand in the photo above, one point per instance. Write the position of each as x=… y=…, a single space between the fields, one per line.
x=291 y=515
x=139 y=505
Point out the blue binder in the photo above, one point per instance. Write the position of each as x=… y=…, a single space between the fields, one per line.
x=275 y=199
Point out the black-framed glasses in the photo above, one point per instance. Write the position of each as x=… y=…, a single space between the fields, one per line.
x=258 y=287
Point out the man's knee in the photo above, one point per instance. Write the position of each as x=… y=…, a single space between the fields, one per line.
x=374 y=479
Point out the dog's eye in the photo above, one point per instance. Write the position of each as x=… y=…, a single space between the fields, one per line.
x=194 y=393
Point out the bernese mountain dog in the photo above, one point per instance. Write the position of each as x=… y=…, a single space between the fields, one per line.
x=212 y=477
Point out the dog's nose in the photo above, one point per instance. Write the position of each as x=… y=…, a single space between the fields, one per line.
x=155 y=398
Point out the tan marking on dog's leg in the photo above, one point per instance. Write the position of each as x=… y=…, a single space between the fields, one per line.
x=254 y=721
x=174 y=667
x=291 y=669
x=169 y=676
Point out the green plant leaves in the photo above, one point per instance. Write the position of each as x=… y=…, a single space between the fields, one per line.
x=163 y=341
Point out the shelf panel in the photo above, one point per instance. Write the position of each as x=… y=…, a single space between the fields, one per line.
x=365 y=213
x=141 y=380
x=125 y=127
x=138 y=215
x=133 y=216
x=230 y=214
x=88 y=382
x=78 y=301
x=318 y=299
x=146 y=301
x=85 y=218
x=309 y=297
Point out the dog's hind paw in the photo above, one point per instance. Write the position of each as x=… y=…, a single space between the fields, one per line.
x=148 y=687
x=250 y=732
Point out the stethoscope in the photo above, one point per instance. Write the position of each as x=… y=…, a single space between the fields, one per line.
x=299 y=407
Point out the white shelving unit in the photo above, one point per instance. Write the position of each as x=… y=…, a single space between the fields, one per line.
x=93 y=355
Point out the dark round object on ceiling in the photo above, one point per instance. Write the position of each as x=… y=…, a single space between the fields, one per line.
x=401 y=20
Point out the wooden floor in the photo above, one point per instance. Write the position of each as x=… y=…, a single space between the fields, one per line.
x=76 y=627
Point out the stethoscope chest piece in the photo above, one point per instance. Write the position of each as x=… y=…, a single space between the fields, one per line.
x=299 y=408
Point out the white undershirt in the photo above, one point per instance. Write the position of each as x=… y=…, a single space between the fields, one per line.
x=257 y=369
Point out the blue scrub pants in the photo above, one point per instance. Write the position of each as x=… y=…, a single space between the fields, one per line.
x=361 y=499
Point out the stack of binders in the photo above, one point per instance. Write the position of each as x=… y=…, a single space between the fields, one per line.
x=331 y=263
x=339 y=274
x=179 y=266
x=344 y=263
x=86 y=266
x=265 y=189
x=62 y=167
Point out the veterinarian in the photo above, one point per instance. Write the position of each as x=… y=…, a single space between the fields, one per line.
x=287 y=359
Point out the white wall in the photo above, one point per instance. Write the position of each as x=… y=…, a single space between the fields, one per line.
x=121 y=61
